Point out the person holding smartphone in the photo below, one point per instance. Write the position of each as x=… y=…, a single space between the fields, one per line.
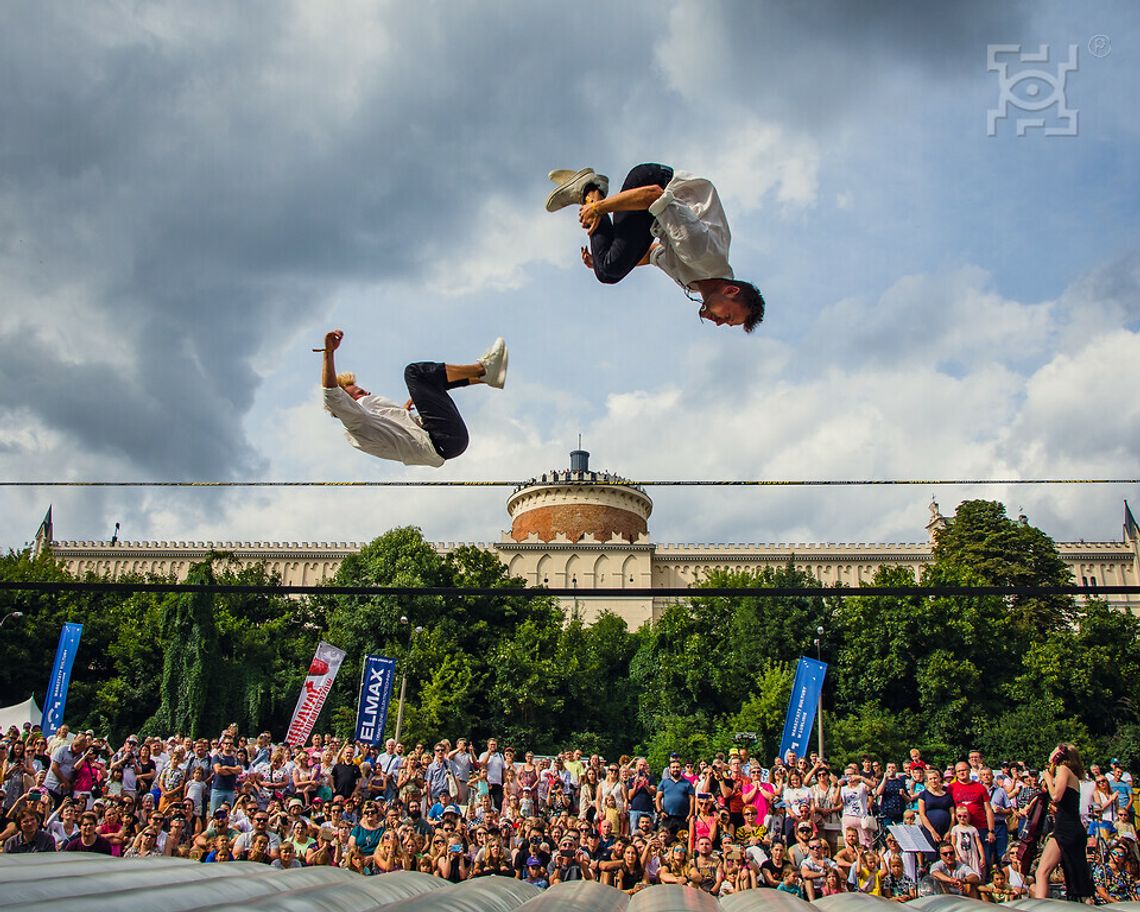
x=452 y=864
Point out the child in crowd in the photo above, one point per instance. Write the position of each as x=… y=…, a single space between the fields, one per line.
x=196 y=791
x=1124 y=827
x=867 y=873
x=612 y=814
x=967 y=840
x=999 y=890
x=287 y=859
x=535 y=873
x=896 y=885
x=791 y=884
x=833 y=883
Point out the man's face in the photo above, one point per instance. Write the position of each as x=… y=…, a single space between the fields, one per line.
x=723 y=307
x=675 y=769
x=975 y=759
x=962 y=772
x=355 y=391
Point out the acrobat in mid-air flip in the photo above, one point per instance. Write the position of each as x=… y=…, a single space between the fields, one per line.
x=382 y=428
x=672 y=219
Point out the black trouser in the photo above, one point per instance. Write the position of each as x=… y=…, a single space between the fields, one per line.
x=427 y=385
x=617 y=246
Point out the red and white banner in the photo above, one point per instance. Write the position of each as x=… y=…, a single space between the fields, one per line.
x=318 y=683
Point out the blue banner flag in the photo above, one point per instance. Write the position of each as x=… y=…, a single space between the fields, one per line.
x=375 y=693
x=801 y=708
x=56 y=698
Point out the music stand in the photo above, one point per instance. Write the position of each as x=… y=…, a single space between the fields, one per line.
x=913 y=842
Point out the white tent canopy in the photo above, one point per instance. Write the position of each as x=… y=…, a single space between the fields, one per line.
x=19 y=713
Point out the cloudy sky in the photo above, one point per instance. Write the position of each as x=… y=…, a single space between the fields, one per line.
x=191 y=194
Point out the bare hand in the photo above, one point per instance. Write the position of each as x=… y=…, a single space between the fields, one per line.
x=589 y=217
x=408 y=406
x=333 y=338
x=587 y=258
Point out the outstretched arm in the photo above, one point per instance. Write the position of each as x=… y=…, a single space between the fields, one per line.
x=328 y=366
x=633 y=200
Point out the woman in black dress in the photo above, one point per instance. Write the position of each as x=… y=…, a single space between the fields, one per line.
x=1062 y=779
x=935 y=809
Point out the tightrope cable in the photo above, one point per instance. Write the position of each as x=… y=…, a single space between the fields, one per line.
x=592 y=482
x=528 y=592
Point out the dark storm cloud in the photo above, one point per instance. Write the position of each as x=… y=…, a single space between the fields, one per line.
x=810 y=62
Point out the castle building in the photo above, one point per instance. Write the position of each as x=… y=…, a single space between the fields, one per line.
x=578 y=528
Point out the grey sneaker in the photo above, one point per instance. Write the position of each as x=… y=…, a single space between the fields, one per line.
x=494 y=362
x=571 y=187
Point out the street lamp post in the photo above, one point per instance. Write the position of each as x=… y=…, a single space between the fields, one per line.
x=11 y=614
x=404 y=677
x=819 y=705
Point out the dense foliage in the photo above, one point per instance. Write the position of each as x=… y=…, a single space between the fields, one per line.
x=1010 y=676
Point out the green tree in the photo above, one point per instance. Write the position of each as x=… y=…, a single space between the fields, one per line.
x=188 y=671
x=980 y=545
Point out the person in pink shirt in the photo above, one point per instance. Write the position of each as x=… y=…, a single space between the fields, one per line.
x=759 y=794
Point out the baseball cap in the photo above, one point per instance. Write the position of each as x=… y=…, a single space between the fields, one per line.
x=533 y=862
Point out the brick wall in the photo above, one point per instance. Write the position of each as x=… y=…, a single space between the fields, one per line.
x=575 y=520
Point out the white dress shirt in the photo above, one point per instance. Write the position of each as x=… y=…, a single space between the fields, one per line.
x=382 y=428
x=690 y=224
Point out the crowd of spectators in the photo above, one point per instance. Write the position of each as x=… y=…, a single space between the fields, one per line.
x=454 y=810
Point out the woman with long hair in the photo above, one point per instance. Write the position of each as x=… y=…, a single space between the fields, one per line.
x=1113 y=880
x=389 y=854
x=1103 y=807
x=611 y=787
x=588 y=795
x=305 y=781
x=675 y=865
x=17 y=774
x=494 y=860
x=630 y=876
x=1062 y=779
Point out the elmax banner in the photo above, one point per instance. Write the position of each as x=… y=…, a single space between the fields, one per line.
x=318 y=683
x=375 y=694
x=801 y=708
x=56 y=698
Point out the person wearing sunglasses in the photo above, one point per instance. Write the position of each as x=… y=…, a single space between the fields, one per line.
x=1113 y=880
x=953 y=877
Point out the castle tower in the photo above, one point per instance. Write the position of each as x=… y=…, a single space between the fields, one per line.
x=578 y=501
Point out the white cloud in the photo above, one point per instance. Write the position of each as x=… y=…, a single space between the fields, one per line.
x=511 y=237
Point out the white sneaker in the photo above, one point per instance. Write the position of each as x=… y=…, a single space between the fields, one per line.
x=571 y=185
x=494 y=363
